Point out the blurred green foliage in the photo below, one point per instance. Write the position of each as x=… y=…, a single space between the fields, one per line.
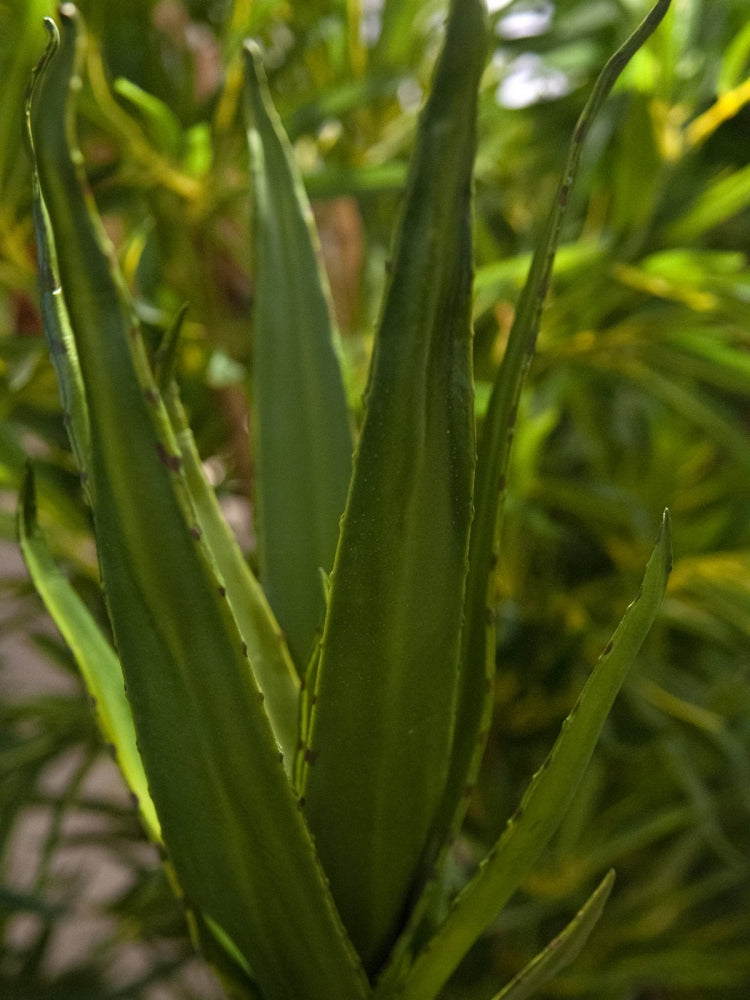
x=637 y=399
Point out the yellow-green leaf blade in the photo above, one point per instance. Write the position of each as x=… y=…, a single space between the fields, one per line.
x=99 y=666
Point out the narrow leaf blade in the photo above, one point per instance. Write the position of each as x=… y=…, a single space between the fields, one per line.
x=99 y=666
x=478 y=650
x=563 y=949
x=302 y=441
x=57 y=330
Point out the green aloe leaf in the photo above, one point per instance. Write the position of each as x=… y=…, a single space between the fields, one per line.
x=266 y=649
x=302 y=442
x=563 y=949
x=478 y=650
x=57 y=330
x=96 y=659
x=547 y=797
x=382 y=725
x=230 y=820
x=475 y=695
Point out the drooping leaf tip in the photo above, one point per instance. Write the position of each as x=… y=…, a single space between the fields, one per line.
x=254 y=58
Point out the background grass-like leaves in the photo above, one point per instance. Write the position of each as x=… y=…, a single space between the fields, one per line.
x=637 y=399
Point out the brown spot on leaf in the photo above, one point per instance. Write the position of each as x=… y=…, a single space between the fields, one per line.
x=172 y=462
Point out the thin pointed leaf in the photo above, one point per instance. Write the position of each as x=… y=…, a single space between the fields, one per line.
x=59 y=336
x=302 y=441
x=382 y=725
x=229 y=818
x=563 y=949
x=99 y=666
x=478 y=651
x=547 y=797
x=478 y=648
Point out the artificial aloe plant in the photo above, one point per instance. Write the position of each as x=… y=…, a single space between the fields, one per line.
x=304 y=747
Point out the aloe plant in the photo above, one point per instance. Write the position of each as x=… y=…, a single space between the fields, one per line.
x=304 y=747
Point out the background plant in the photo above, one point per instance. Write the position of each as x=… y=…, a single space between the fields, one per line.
x=565 y=461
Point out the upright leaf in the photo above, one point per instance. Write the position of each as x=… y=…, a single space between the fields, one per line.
x=478 y=639
x=229 y=818
x=563 y=949
x=548 y=796
x=302 y=442
x=383 y=721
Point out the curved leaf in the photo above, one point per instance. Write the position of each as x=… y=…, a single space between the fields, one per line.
x=96 y=659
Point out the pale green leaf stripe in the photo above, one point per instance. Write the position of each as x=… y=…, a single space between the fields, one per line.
x=230 y=821
x=563 y=949
x=266 y=649
x=302 y=443
x=99 y=666
x=382 y=725
x=547 y=797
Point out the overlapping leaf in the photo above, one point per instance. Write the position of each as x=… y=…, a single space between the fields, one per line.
x=226 y=808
